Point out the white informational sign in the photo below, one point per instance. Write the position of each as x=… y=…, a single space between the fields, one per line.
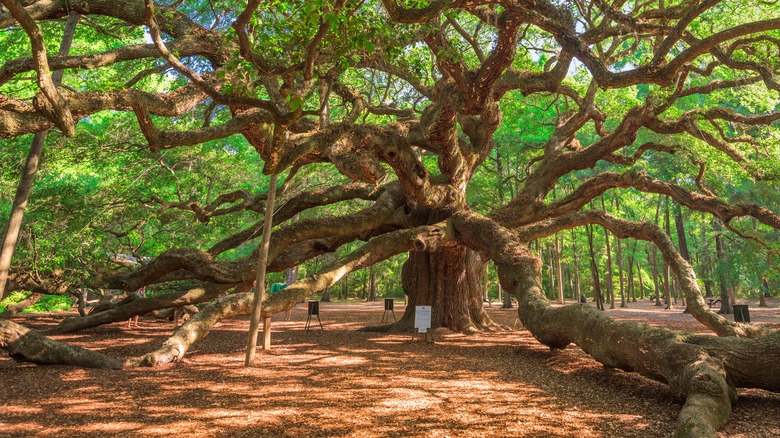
x=422 y=318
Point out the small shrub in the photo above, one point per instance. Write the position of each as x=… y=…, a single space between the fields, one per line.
x=13 y=298
x=51 y=303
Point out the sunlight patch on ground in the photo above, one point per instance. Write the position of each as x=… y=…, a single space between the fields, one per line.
x=6 y=410
x=406 y=399
x=341 y=360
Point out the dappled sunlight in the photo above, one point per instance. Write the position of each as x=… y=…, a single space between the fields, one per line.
x=342 y=383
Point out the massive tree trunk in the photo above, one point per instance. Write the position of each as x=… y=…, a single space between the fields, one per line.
x=23 y=344
x=449 y=280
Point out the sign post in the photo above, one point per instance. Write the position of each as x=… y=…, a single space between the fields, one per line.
x=422 y=322
x=388 y=308
x=313 y=310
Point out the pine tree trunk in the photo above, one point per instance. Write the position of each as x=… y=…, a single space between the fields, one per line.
x=620 y=273
x=655 y=274
x=507 y=304
x=371 y=283
x=344 y=292
x=594 y=271
x=631 y=285
x=667 y=268
x=576 y=267
x=706 y=267
x=559 y=273
x=609 y=280
x=681 y=241
x=725 y=296
x=641 y=283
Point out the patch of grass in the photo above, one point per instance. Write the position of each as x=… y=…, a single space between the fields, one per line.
x=51 y=303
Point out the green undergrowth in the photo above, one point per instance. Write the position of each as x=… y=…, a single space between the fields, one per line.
x=47 y=303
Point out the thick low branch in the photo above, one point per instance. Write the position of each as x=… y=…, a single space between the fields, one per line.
x=703 y=370
x=55 y=107
x=683 y=271
x=426 y=238
x=310 y=199
x=140 y=306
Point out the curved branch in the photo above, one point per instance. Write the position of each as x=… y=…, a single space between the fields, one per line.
x=683 y=270
x=298 y=203
x=702 y=369
x=140 y=306
x=56 y=107
x=376 y=250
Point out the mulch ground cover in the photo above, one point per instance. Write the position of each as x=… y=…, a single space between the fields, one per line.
x=340 y=382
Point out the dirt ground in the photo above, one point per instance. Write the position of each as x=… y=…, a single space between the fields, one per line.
x=339 y=382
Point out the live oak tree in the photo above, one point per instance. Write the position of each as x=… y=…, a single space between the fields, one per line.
x=408 y=100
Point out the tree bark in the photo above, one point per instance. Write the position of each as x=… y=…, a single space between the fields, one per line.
x=609 y=280
x=667 y=268
x=703 y=370
x=450 y=281
x=619 y=250
x=655 y=274
x=558 y=271
x=576 y=267
x=259 y=296
x=631 y=284
x=23 y=344
x=641 y=283
x=594 y=271
x=723 y=278
x=705 y=261
x=506 y=297
x=372 y=284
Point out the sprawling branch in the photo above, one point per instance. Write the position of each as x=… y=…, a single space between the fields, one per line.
x=54 y=106
x=303 y=201
x=426 y=238
x=704 y=370
x=682 y=269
